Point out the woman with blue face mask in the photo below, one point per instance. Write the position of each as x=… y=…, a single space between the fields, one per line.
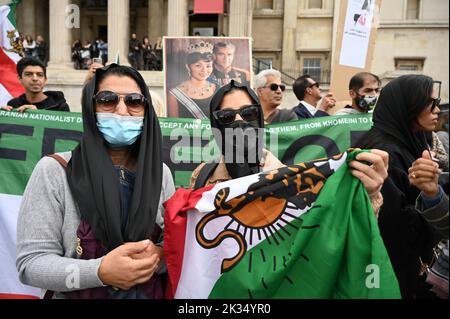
x=98 y=209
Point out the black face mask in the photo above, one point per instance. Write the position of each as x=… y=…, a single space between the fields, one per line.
x=366 y=102
x=242 y=144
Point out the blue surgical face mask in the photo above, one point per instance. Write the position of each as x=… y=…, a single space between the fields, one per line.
x=120 y=131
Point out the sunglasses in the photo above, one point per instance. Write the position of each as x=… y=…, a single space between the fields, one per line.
x=274 y=87
x=435 y=103
x=313 y=85
x=108 y=101
x=247 y=112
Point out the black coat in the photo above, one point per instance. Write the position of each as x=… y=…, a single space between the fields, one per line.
x=406 y=234
x=55 y=101
x=303 y=113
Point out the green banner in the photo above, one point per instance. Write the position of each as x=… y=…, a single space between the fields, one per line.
x=26 y=137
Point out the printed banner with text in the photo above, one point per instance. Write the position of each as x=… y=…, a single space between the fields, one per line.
x=26 y=137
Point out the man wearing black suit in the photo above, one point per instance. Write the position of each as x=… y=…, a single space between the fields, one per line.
x=308 y=92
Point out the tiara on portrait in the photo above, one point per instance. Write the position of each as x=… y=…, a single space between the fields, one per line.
x=201 y=47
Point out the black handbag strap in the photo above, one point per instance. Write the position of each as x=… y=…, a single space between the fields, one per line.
x=205 y=174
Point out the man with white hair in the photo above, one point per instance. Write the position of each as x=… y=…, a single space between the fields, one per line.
x=270 y=93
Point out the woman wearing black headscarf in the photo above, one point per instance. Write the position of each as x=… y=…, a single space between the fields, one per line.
x=96 y=210
x=235 y=109
x=405 y=110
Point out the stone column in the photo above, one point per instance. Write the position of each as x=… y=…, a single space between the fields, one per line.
x=289 y=54
x=178 y=22
x=155 y=20
x=25 y=13
x=42 y=20
x=76 y=32
x=278 y=4
x=118 y=30
x=60 y=35
x=241 y=16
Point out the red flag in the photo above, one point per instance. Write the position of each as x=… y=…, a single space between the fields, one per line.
x=174 y=236
x=208 y=6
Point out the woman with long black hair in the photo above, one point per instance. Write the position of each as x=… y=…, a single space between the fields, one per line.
x=90 y=224
x=406 y=109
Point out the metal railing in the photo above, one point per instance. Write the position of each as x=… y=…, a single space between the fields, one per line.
x=288 y=77
x=260 y=65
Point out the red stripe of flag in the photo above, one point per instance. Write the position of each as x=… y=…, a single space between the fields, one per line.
x=8 y=75
x=208 y=6
x=175 y=234
x=15 y=296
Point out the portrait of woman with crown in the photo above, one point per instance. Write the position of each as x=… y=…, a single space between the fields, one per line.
x=191 y=98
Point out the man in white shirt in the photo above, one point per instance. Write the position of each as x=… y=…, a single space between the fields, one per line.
x=308 y=92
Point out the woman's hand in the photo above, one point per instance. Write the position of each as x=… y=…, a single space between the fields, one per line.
x=149 y=251
x=91 y=72
x=372 y=176
x=119 y=269
x=424 y=174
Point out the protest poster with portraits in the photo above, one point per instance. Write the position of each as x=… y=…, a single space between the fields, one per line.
x=196 y=67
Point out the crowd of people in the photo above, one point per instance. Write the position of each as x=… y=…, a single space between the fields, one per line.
x=142 y=55
x=109 y=191
x=35 y=48
x=83 y=55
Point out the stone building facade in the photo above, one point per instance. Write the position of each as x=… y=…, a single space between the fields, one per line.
x=293 y=36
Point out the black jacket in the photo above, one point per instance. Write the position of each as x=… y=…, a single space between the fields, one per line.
x=55 y=101
x=303 y=113
x=408 y=237
x=41 y=50
x=406 y=234
x=133 y=44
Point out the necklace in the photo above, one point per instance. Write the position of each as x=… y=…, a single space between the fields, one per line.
x=198 y=91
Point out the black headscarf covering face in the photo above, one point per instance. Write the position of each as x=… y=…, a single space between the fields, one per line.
x=250 y=166
x=395 y=113
x=94 y=182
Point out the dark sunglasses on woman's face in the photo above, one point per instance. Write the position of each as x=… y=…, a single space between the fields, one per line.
x=274 y=87
x=108 y=100
x=247 y=112
x=435 y=103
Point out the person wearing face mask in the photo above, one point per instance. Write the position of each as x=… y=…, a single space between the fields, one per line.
x=235 y=112
x=364 y=88
x=98 y=209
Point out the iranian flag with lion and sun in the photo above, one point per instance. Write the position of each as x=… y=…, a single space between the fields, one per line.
x=10 y=54
x=302 y=231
